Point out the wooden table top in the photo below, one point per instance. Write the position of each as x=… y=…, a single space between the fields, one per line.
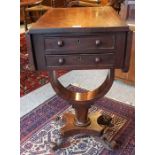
x=79 y=18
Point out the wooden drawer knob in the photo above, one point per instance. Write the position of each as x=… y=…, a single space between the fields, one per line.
x=61 y=61
x=60 y=43
x=97 y=59
x=98 y=42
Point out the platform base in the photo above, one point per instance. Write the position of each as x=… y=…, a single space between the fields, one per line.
x=106 y=133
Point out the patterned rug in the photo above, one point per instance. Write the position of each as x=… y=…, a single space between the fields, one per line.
x=30 y=80
x=39 y=128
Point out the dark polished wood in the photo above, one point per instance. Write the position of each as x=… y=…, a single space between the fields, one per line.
x=81 y=38
x=128 y=14
x=128 y=77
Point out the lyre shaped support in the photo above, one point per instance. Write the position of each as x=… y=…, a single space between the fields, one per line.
x=81 y=101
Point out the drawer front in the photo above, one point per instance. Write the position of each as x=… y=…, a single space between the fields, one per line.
x=49 y=58
x=83 y=60
x=106 y=41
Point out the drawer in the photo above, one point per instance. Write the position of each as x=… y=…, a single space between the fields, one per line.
x=104 y=42
x=113 y=49
x=82 y=60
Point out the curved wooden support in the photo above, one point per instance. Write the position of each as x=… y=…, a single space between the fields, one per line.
x=80 y=98
x=81 y=101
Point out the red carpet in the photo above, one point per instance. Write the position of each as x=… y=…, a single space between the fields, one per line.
x=39 y=129
x=30 y=80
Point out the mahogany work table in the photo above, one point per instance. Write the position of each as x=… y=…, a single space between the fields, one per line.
x=81 y=38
